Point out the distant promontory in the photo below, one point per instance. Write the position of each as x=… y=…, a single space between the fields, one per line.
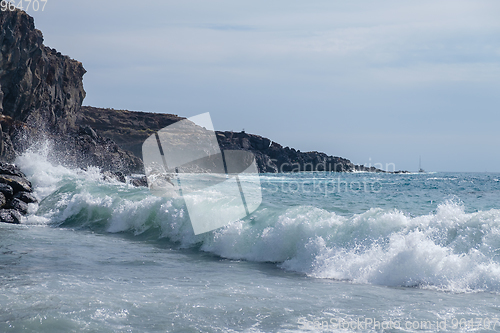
x=41 y=95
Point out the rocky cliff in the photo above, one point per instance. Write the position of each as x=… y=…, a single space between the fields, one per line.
x=37 y=83
x=41 y=92
x=273 y=157
x=129 y=129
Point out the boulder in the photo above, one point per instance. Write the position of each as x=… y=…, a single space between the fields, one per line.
x=18 y=205
x=25 y=197
x=114 y=175
x=139 y=182
x=10 y=169
x=17 y=183
x=87 y=130
x=10 y=216
x=6 y=190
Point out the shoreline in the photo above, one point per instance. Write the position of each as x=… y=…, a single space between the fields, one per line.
x=41 y=96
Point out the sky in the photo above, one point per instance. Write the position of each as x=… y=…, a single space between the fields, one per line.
x=377 y=82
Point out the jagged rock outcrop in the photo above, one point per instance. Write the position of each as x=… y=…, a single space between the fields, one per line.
x=273 y=157
x=15 y=194
x=84 y=148
x=37 y=83
x=129 y=129
x=41 y=93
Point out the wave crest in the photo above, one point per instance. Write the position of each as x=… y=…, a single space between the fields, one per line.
x=448 y=249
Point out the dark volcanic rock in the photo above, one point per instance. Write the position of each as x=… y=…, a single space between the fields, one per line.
x=10 y=216
x=9 y=169
x=14 y=194
x=25 y=197
x=36 y=82
x=87 y=130
x=120 y=176
x=128 y=129
x=272 y=157
x=17 y=183
x=41 y=93
x=87 y=148
x=6 y=190
x=138 y=182
x=117 y=176
x=18 y=205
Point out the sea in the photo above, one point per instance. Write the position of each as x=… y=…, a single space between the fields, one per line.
x=324 y=252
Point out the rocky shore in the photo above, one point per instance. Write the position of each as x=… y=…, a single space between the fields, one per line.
x=41 y=95
x=129 y=129
x=15 y=194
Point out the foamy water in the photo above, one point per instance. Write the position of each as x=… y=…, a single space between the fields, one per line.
x=118 y=258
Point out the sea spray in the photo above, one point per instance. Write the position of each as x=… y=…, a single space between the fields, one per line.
x=448 y=249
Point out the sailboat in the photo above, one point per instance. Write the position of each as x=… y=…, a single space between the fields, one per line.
x=420 y=165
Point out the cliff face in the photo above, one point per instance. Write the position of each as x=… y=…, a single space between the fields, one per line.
x=41 y=93
x=36 y=83
x=129 y=130
x=273 y=157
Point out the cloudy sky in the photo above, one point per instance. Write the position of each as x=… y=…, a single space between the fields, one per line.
x=372 y=81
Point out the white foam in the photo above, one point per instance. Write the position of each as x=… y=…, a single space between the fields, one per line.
x=448 y=249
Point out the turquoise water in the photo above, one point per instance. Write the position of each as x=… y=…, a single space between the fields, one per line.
x=368 y=252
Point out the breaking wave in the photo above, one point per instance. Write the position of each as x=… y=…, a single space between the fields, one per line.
x=448 y=249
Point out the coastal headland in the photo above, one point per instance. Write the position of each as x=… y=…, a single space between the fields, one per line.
x=41 y=96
